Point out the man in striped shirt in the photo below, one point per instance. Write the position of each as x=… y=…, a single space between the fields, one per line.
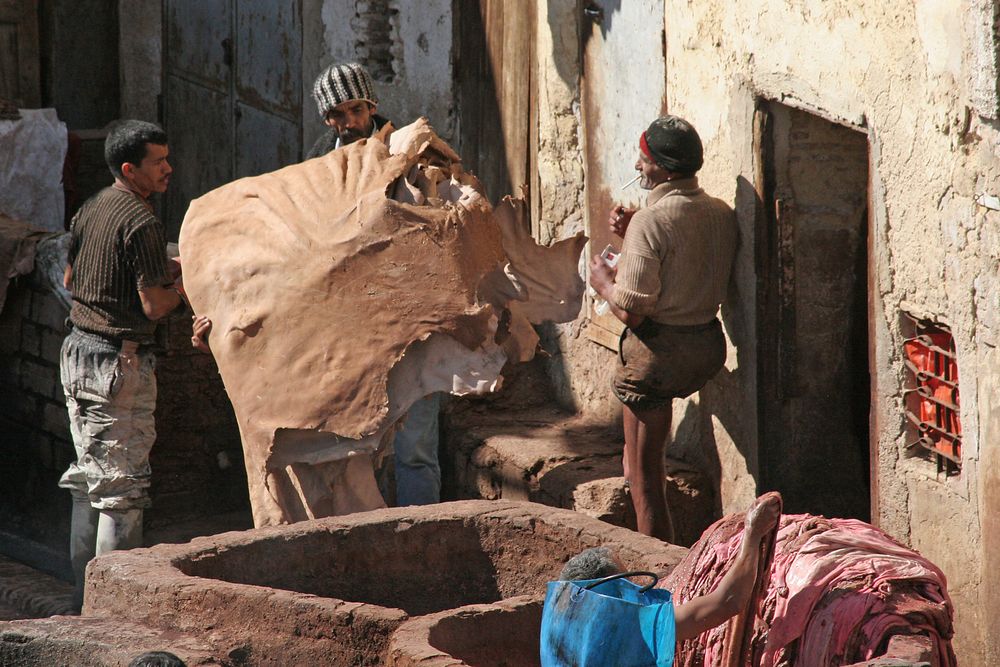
x=667 y=287
x=122 y=283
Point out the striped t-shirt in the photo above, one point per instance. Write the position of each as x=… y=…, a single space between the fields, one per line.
x=118 y=247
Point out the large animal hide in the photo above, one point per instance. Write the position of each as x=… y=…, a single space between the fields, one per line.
x=345 y=288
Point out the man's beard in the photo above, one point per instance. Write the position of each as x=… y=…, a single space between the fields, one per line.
x=350 y=136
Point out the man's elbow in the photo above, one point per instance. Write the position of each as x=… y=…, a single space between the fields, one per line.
x=157 y=308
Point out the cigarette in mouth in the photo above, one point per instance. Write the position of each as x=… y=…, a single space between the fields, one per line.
x=631 y=182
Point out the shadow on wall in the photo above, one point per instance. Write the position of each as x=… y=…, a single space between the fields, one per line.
x=717 y=398
x=601 y=12
x=562 y=17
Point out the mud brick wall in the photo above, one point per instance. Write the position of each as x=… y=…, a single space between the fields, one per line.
x=197 y=459
x=35 y=444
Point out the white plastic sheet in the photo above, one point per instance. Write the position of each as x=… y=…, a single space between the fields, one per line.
x=32 y=151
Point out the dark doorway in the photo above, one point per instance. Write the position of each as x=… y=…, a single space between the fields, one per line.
x=232 y=93
x=813 y=311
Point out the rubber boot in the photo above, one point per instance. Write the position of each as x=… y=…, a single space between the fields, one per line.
x=119 y=530
x=82 y=543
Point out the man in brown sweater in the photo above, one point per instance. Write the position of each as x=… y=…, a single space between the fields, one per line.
x=667 y=287
x=121 y=283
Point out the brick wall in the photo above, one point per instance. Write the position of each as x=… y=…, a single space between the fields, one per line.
x=197 y=460
x=377 y=43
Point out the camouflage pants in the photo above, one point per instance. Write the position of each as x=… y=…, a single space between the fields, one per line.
x=110 y=395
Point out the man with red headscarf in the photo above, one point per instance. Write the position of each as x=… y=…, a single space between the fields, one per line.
x=667 y=287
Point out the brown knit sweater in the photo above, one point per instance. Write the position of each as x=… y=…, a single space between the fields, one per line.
x=677 y=256
x=117 y=248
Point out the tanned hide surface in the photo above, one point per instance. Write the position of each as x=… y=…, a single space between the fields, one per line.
x=344 y=288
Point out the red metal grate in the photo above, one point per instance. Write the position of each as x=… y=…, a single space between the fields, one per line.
x=932 y=401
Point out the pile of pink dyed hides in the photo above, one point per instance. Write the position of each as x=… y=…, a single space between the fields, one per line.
x=838 y=590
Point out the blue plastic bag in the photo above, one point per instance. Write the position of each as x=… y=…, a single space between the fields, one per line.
x=608 y=622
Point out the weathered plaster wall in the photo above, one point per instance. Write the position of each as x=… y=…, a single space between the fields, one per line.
x=560 y=154
x=909 y=74
x=332 y=30
x=406 y=46
x=577 y=367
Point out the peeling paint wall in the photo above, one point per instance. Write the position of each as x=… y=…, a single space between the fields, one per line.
x=418 y=39
x=560 y=155
x=911 y=75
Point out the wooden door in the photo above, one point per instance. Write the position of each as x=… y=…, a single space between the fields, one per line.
x=232 y=93
x=623 y=91
x=496 y=82
x=19 y=73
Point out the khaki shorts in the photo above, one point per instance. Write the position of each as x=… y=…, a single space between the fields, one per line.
x=661 y=362
x=110 y=395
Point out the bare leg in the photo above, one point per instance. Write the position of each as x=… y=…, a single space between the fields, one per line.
x=631 y=426
x=644 y=446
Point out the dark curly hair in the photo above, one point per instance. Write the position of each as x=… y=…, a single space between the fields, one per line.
x=127 y=143
x=156 y=659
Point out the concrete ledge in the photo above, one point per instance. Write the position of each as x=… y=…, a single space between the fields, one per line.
x=546 y=456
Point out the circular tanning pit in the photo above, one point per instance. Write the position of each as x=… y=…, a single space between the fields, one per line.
x=334 y=590
x=503 y=634
x=414 y=564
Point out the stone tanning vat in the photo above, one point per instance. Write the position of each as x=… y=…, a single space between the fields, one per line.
x=334 y=591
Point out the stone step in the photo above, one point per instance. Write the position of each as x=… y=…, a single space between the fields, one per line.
x=28 y=593
x=547 y=456
x=65 y=640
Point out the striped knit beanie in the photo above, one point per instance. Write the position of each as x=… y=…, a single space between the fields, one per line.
x=342 y=83
x=673 y=143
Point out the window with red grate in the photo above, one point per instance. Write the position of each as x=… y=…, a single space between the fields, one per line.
x=932 y=399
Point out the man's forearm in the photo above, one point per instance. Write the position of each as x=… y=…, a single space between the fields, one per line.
x=631 y=320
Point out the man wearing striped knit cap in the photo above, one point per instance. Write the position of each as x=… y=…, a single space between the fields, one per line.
x=667 y=287
x=345 y=96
